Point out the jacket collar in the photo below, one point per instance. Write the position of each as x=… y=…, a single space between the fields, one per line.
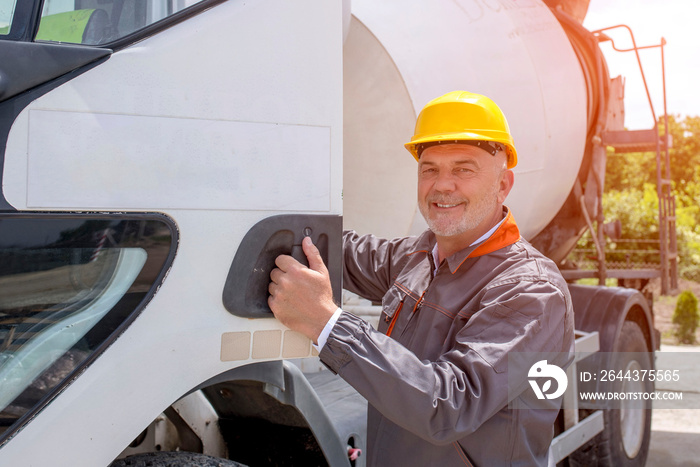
x=507 y=234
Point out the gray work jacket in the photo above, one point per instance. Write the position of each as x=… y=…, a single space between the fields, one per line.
x=438 y=386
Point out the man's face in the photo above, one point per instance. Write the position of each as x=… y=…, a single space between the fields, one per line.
x=461 y=189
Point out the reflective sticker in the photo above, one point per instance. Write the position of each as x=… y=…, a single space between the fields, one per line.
x=296 y=345
x=235 y=346
x=267 y=344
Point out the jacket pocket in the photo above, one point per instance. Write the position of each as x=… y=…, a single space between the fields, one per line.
x=392 y=303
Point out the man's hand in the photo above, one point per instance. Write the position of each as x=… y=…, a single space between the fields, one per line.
x=300 y=297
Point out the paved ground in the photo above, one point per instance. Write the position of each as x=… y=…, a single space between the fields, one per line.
x=675 y=436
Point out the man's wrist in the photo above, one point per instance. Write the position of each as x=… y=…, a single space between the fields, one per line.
x=323 y=337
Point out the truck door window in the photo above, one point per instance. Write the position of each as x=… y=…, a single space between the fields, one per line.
x=97 y=22
x=68 y=284
x=7 y=11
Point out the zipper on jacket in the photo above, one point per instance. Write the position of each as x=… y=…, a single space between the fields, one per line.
x=462 y=454
x=394 y=318
x=416 y=307
x=420 y=299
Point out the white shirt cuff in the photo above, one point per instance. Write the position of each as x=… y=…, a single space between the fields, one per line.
x=323 y=337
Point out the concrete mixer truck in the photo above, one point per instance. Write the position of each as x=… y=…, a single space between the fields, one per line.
x=156 y=156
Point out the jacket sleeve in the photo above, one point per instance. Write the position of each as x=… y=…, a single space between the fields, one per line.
x=444 y=400
x=368 y=265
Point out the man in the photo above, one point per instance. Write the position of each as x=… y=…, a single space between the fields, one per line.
x=457 y=301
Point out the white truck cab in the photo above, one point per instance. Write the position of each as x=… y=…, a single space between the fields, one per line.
x=130 y=176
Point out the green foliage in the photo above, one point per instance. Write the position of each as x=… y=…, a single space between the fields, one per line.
x=688 y=230
x=634 y=169
x=685 y=150
x=630 y=170
x=636 y=208
x=686 y=317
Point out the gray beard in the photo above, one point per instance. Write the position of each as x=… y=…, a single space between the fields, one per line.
x=474 y=215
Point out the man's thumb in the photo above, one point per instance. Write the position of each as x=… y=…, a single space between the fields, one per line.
x=313 y=255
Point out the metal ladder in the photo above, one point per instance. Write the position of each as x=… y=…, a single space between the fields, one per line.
x=651 y=141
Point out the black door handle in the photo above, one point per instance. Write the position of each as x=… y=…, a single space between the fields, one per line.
x=246 y=288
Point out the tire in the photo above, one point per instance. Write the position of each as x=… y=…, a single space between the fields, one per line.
x=174 y=459
x=625 y=439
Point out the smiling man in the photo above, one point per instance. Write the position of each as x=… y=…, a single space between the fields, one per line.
x=461 y=189
x=456 y=302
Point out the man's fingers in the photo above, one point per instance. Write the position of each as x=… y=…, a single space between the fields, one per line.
x=286 y=262
x=272 y=304
x=276 y=275
x=313 y=256
x=274 y=286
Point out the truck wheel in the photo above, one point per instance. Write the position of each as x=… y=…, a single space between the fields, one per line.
x=173 y=459
x=625 y=439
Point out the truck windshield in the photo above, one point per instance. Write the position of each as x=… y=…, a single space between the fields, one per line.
x=7 y=11
x=97 y=22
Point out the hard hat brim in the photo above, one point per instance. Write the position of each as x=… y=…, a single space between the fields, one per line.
x=486 y=135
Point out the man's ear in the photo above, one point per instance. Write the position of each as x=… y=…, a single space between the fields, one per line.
x=505 y=184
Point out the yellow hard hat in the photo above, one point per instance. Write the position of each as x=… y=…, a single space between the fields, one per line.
x=463 y=117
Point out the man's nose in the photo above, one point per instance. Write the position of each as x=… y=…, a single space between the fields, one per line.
x=445 y=182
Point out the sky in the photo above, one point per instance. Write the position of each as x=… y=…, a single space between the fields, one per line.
x=650 y=20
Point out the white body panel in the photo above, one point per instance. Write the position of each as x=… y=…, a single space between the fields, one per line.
x=269 y=72
x=405 y=53
x=214 y=164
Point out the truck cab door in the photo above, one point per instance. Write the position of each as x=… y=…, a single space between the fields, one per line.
x=184 y=124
